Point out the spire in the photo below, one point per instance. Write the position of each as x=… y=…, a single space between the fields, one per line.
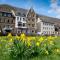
x=31 y=9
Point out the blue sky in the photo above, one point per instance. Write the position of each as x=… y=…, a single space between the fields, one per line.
x=40 y=6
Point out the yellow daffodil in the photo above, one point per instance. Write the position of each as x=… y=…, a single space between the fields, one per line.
x=23 y=37
x=33 y=38
x=41 y=39
x=37 y=43
x=28 y=38
x=11 y=40
x=49 y=38
x=51 y=42
x=57 y=50
x=18 y=37
x=29 y=44
x=9 y=35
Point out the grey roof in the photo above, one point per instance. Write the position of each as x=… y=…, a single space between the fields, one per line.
x=18 y=11
x=55 y=21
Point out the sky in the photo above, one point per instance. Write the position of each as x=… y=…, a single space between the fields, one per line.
x=43 y=7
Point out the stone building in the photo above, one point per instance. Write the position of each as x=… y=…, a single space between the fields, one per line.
x=31 y=21
x=7 y=21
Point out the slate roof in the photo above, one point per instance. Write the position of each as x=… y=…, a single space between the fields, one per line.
x=55 y=21
x=18 y=11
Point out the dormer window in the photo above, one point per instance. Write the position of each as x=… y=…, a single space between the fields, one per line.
x=19 y=13
x=9 y=15
x=23 y=14
x=5 y=14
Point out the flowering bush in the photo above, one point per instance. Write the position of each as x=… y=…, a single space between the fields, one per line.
x=26 y=47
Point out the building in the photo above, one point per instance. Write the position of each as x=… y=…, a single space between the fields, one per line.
x=7 y=22
x=27 y=21
x=45 y=28
x=31 y=22
x=20 y=24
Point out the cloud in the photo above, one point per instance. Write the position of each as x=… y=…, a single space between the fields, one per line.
x=58 y=16
x=55 y=8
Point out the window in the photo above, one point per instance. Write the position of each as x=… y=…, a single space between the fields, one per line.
x=9 y=15
x=32 y=30
x=53 y=32
x=7 y=26
x=43 y=23
x=20 y=19
x=7 y=21
x=33 y=20
x=12 y=21
x=23 y=19
x=24 y=15
x=33 y=15
x=19 y=24
x=5 y=14
x=17 y=18
x=28 y=24
x=23 y=24
x=28 y=19
x=0 y=19
x=33 y=25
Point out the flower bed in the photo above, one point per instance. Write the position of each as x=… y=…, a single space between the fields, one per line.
x=28 y=47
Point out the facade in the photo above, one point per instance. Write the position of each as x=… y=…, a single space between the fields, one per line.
x=25 y=21
x=20 y=24
x=45 y=28
x=31 y=22
x=7 y=22
x=19 y=20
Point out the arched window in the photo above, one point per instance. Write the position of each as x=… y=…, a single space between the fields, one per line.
x=8 y=21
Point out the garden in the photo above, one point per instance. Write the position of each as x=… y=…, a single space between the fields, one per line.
x=29 y=47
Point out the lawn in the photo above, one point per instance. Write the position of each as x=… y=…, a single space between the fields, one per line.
x=29 y=47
